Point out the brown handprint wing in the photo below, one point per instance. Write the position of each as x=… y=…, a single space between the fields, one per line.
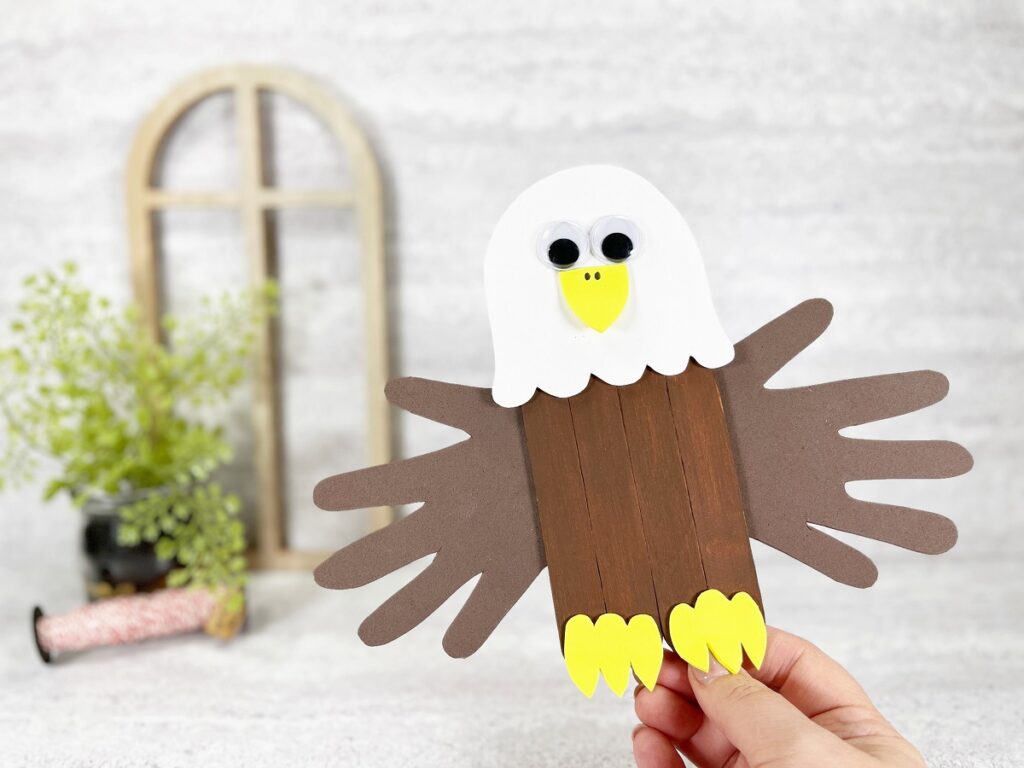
x=793 y=463
x=478 y=517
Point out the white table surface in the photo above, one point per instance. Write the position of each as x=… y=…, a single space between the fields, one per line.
x=938 y=644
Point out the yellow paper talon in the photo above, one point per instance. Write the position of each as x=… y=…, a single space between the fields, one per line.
x=688 y=636
x=645 y=649
x=720 y=629
x=725 y=627
x=613 y=651
x=610 y=647
x=753 y=633
x=581 y=653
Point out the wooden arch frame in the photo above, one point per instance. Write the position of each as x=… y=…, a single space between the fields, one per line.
x=253 y=199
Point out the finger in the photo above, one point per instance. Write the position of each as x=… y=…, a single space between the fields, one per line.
x=765 y=727
x=452 y=404
x=823 y=553
x=401 y=482
x=897 y=459
x=820 y=688
x=411 y=604
x=674 y=675
x=654 y=750
x=672 y=709
x=383 y=551
x=872 y=398
x=913 y=529
x=709 y=746
x=808 y=678
x=491 y=599
x=812 y=681
x=764 y=352
x=668 y=711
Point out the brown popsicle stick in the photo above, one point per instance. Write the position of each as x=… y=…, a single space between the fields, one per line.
x=703 y=437
x=562 y=509
x=617 y=529
x=669 y=528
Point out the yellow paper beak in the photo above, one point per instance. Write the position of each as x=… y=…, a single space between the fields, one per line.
x=596 y=295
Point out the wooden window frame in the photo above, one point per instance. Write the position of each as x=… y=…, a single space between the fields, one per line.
x=253 y=199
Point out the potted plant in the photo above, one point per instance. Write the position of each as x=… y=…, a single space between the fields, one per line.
x=124 y=426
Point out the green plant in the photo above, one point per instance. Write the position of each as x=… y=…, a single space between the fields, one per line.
x=86 y=387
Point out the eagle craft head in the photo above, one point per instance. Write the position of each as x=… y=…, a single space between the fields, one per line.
x=592 y=271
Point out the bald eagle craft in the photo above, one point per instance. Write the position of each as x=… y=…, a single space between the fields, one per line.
x=635 y=475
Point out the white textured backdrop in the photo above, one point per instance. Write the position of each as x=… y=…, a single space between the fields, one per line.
x=869 y=152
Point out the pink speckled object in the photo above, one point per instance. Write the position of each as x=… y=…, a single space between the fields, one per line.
x=122 y=620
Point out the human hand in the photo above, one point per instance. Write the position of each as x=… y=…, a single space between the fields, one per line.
x=800 y=710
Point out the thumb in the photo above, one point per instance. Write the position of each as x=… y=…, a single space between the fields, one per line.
x=761 y=724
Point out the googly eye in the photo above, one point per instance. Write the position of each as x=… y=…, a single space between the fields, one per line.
x=615 y=239
x=561 y=244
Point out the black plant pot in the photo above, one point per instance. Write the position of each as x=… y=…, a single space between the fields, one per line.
x=113 y=569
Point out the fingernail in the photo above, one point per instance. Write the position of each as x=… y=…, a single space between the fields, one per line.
x=715 y=670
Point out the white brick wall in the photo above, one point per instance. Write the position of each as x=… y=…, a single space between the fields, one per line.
x=869 y=152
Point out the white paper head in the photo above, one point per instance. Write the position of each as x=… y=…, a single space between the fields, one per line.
x=554 y=325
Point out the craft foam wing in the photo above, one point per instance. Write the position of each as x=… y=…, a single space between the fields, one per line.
x=637 y=479
x=793 y=463
x=477 y=518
